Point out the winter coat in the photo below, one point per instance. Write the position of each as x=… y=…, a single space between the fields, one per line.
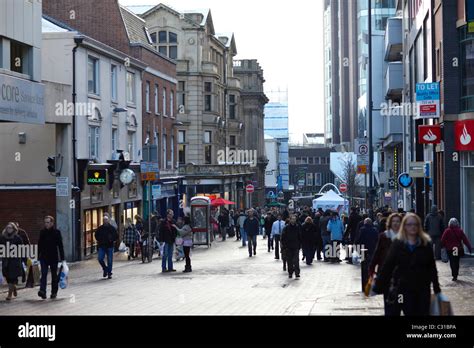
x=106 y=235
x=241 y=220
x=269 y=220
x=416 y=270
x=251 y=226
x=336 y=229
x=224 y=220
x=381 y=250
x=291 y=237
x=353 y=226
x=368 y=239
x=11 y=266
x=434 y=224
x=308 y=235
x=323 y=225
x=168 y=233
x=50 y=246
x=453 y=237
x=130 y=236
x=186 y=232
x=24 y=236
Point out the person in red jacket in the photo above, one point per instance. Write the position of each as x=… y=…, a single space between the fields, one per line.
x=453 y=239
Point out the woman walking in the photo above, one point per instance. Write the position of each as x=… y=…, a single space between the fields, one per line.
x=308 y=240
x=11 y=266
x=186 y=233
x=336 y=229
x=409 y=270
x=453 y=239
x=381 y=250
x=130 y=238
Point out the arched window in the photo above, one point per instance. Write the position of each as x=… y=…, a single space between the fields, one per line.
x=168 y=44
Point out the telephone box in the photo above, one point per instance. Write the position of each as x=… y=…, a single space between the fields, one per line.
x=200 y=220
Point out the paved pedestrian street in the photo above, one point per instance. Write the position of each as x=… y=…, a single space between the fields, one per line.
x=224 y=281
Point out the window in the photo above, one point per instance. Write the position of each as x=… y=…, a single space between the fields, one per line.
x=173 y=52
x=130 y=87
x=19 y=54
x=131 y=144
x=164 y=101
x=207 y=147
x=317 y=160
x=171 y=103
x=309 y=179
x=164 y=165
x=232 y=106
x=208 y=96
x=310 y=160
x=172 y=151
x=173 y=38
x=156 y=99
x=304 y=160
x=114 y=139
x=147 y=97
x=181 y=96
x=94 y=142
x=162 y=36
x=163 y=50
x=153 y=37
x=232 y=140
x=317 y=179
x=181 y=147
x=93 y=75
x=113 y=82
x=207 y=87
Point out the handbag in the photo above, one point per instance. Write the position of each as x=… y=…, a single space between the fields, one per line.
x=440 y=305
x=444 y=255
x=179 y=241
x=368 y=286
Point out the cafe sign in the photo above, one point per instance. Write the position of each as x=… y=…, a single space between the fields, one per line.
x=21 y=100
x=96 y=177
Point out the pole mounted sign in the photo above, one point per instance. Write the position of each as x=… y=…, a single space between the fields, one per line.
x=362 y=152
x=249 y=188
x=429 y=134
x=427 y=98
x=405 y=180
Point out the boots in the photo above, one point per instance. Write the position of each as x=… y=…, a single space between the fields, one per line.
x=14 y=291
x=10 y=292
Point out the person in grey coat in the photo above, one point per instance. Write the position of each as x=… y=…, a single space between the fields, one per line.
x=434 y=226
x=11 y=266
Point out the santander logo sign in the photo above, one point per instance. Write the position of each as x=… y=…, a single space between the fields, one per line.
x=429 y=134
x=464 y=131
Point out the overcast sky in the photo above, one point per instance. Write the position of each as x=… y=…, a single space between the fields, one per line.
x=287 y=39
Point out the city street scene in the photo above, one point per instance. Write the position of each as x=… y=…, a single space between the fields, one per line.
x=204 y=157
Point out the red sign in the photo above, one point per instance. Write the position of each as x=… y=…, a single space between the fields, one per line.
x=343 y=188
x=361 y=169
x=464 y=135
x=249 y=188
x=429 y=134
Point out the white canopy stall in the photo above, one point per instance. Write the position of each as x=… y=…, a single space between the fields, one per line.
x=332 y=201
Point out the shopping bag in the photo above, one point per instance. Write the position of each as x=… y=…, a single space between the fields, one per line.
x=63 y=276
x=368 y=286
x=33 y=275
x=440 y=305
x=355 y=258
x=122 y=247
x=444 y=255
x=434 y=305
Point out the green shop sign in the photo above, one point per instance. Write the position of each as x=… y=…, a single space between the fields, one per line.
x=96 y=177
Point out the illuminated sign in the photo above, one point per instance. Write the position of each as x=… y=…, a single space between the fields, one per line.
x=96 y=177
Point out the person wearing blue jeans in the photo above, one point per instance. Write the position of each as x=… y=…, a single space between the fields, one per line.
x=240 y=222
x=102 y=252
x=106 y=235
x=243 y=236
x=167 y=256
x=251 y=226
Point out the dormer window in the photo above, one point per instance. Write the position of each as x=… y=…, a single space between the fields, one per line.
x=167 y=44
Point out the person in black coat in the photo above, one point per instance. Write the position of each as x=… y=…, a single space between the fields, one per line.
x=367 y=239
x=308 y=240
x=268 y=224
x=11 y=266
x=409 y=270
x=50 y=252
x=251 y=227
x=291 y=243
x=106 y=235
x=319 y=239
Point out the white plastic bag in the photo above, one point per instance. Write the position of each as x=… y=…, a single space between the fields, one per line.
x=355 y=258
x=122 y=247
x=63 y=275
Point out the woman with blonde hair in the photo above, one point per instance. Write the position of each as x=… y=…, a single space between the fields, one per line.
x=11 y=266
x=308 y=240
x=409 y=270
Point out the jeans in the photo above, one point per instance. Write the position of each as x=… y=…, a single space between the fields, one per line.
x=454 y=263
x=224 y=232
x=437 y=247
x=110 y=255
x=252 y=245
x=293 y=259
x=167 y=256
x=44 y=276
x=326 y=241
x=276 y=237
x=243 y=235
x=270 y=242
x=237 y=232
x=308 y=252
x=187 y=251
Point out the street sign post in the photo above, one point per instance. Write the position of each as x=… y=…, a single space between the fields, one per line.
x=62 y=186
x=417 y=169
x=249 y=188
x=405 y=180
x=343 y=187
x=362 y=151
x=427 y=98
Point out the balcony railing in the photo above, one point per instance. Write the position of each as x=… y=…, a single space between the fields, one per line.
x=394 y=80
x=394 y=39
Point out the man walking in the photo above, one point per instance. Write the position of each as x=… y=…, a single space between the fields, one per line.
x=251 y=227
x=268 y=224
x=291 y=242
x=277 y=229
x=241 y=222
x=434 y=226
x=168 y=235
x=106 y=236
x=51 y=251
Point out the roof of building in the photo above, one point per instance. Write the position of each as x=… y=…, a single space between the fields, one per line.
x=49 y=27
x=136 y=29
x=205 y=12
x=139 y=9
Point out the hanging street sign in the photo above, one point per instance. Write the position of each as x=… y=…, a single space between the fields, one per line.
x=405 y=180
x=417 y=169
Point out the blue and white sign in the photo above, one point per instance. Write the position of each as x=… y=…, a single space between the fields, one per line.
x=405 y=180
x=156 y=191
x=427 y=98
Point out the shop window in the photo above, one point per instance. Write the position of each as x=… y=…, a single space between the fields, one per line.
x=97 y=194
